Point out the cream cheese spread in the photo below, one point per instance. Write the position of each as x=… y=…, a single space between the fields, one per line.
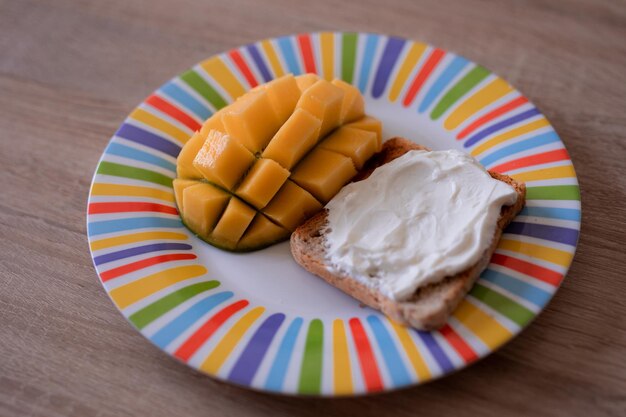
x=414 y=221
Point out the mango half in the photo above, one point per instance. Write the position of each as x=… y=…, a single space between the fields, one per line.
x=261 y=166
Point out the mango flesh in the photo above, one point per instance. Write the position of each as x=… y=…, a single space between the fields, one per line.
x=179 y=187
x=261 y=233
x=262 y=182
x=352 y=105
x=322 y=173
x=294 y=139
x=223 y=160
x=323 y=100
x=202 y=205
x=233 y=223
x=304 y=81
x=371 y=124
x=359 y=145
x=283 y=94
x=262 y=165
x=291 y=206
x=252 y=120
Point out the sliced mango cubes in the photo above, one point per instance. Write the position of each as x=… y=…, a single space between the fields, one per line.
x=262 y=165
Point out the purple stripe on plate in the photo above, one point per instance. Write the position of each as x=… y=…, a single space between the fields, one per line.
x=139 y=250
x=149 y=139
x=501 y=125
x=388 y=60
x=258 y=60
x=544 y=231
x=248 y=363
x=434 y=348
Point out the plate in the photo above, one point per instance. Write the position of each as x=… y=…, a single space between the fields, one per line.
x=257 y=319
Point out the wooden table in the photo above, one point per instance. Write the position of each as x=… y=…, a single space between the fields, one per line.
x=71 y=70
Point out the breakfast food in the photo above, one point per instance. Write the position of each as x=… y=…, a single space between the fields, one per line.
x=414 y=251
x=262 y=165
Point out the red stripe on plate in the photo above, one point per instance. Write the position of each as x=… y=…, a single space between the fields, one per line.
x=527 y=268
x=144 y=263
x=423 y=75
x=189 y=347
x=457 y=342
x=499 y=111
x=527 y=161
x=307 y=53
x=367 y=360
x=235 y=55
x=172 y=111
x=123 y=207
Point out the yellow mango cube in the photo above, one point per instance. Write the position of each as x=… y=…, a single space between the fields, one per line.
x=213 y=123
x=370 y=124
x=359 y=145
x=223 y=160
x=235 y=220
x=184 y=162
x=283 y=93
x=291 y=206
x=323 y=173
x=294 y=139
x=323 y=100
x=261 y=233
x=353 y=105
x=251 y=120
x=179 y=187
x=202 y=205
x=304 y=81
x=262 y=181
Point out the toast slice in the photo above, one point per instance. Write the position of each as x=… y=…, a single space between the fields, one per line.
x=431 y=305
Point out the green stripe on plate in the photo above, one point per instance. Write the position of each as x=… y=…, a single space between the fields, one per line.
x=311 y=370
x=502 y=304
x=119 y=170
x=348 y=55
x=151 y=312
x=461 y=88
x=198 y=83
x=553 y=192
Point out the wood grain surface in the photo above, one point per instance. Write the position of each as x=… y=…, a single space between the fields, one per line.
x=70 y=71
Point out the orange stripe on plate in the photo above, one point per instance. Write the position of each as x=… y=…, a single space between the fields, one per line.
x=341 y=360
x=328 y=55
x=486 y=328
x=216 y=68
x=216 y=359
x=130 y=293
x=493 y=91
x=415 y=53
x=416 y=359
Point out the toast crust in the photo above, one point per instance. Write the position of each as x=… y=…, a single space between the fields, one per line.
x=431 y=305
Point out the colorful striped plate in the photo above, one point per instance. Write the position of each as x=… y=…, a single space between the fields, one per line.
x=260 y=321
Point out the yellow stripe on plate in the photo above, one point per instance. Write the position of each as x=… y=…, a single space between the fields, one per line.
x=143 y=287
x=131 y=191
x=216 y=359
x=417 y=361
x=486 y=328
x=328 y=55
x=556 y=256
x=135 y=237
x=414 y=54
x=216 y=68
x=342 y=372
x=565 y=171
x=479 y=100
x=518 y=131
x=273 y=58
x=160 y=124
